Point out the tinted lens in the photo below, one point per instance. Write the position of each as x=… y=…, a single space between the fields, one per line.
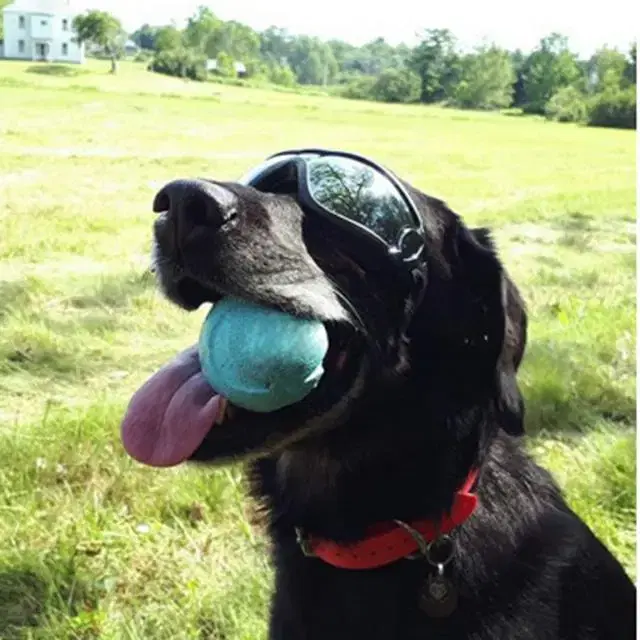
x=358 y=192
x=264 y=168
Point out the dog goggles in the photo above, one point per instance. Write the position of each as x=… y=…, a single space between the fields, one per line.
x=353 y=192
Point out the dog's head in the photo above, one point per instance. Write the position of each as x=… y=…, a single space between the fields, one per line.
x=427 y=378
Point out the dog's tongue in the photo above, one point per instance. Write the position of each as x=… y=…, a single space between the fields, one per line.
x=170 y=415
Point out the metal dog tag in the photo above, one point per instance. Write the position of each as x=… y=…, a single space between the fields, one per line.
x=439 y=597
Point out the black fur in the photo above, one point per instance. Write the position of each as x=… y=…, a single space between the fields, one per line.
x=394 y=432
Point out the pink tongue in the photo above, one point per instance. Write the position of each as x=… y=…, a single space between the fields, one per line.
x=170 y=415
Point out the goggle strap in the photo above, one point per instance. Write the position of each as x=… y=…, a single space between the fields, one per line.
x=416 y=295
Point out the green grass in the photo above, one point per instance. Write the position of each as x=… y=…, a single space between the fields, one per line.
x=93 y=545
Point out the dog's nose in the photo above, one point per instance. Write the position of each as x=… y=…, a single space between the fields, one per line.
x=196 y=203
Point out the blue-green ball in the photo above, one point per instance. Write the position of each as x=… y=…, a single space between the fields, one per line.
x=260 y=358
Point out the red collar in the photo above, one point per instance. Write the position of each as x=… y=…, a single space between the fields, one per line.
x=389 y=542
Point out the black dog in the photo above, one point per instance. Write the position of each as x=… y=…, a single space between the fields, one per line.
x=404 y=417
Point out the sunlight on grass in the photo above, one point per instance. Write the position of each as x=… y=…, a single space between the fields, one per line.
x=597 y=471
x=93 y=545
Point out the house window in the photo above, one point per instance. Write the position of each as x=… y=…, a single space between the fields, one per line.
x=65 y=49
x=21 y=22
x=21 y=46
x=65 y=25
x=43 y=23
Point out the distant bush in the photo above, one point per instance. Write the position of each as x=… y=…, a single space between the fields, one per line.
x=282 y=75
x=392 y=85
x=348 y=76
x=231 y=82
x=181 y=63
x=256 y=69
x=614 y=108
x=396 y=85
x=143 y=56
x=360 y=89
x=225 y=66
x=567 y=105
x=61 y=70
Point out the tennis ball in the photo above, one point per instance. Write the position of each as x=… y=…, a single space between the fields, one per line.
x=260 y=358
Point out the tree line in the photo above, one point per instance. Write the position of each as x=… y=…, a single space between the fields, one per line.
x=551 y=80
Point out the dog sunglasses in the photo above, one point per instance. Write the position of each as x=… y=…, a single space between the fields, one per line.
x=352 y=192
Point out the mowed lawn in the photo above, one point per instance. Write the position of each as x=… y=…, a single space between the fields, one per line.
x=93 y=545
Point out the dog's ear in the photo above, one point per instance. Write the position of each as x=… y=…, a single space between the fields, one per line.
x=515 y=341
x=467 y=335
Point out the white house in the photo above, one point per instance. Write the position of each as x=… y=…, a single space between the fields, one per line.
x=40 y=30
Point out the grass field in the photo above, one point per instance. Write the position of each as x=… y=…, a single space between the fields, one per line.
x=93 y=545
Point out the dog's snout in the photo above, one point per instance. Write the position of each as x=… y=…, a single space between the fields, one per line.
x=196 y=203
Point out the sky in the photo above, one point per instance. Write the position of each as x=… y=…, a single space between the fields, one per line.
x=507 y=23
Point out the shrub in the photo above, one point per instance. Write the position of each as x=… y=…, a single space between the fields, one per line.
x=614 y=108
x=567 y=105
x=143 y=56
x=230 y=82
x=346 y=77
x=396 y=85
x=225 y=66
x=282 y=75
x=360 y=89
x=181 y=63
x=256 y=69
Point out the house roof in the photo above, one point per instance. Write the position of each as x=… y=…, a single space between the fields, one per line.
x=40 y=6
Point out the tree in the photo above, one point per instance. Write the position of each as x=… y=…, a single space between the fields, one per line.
x=145 y=37
x=487 y=80
x=206 y=33
x=167 y=39
x=102 y=30
x=396 y=85
x=379 y=55
x=342 y=52
x=330 y=66
x=310 y=71
x=3 y=4
x=585 y=81
x=518 y=60
x=607 y=70
x=276 y=45
x=436 y=63
x=549 y=68
x=312 y=61
x=201 y=27
x=235 y=39
x=372 y=58
x=630 y=72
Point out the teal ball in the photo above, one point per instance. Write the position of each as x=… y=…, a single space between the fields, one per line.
x=259 y=358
